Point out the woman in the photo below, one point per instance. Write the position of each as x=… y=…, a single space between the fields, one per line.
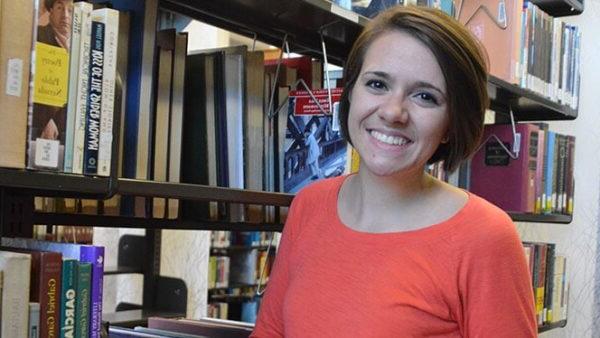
x=391 y=251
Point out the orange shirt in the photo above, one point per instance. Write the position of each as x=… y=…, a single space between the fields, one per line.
x=464 y=277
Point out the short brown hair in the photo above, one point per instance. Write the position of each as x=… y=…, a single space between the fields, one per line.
x=461 y=59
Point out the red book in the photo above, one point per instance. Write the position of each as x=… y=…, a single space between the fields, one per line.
x=508 y=183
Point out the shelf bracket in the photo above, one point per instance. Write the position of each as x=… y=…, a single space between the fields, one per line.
x=16 y=214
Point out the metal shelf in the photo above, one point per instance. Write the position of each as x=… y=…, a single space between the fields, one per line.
x=303 y=20
x=526 y=105
x=132 y=318
x=541 y=218
x=47 y=183
x=148 y=223
x=551 y=326
x=271 y=20
x=558 y=8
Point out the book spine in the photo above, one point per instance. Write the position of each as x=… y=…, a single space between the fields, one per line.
x=550 y=256
x=49 y=293
x=15 y=63
x=34 y=320
x=82 y=87
x=74 y=59
x=82 y=308
x=110 y=18
x=548 y=165
x=94 y=106
x=95 y=255
x=15 y=293
x=68 y=298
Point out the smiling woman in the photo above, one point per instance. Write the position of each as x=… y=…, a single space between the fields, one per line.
x=391 y=251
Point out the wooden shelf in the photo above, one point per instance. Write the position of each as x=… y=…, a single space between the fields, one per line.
x=541 y=218
x=549 y=327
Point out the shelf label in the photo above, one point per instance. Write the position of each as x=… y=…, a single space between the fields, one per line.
x=14 y=74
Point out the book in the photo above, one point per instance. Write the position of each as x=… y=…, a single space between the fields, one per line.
x=83 y=253
x=110 y=18
x=492 y=165
x=209 y=327
x=48 y=108
x=497 y=25
x=94 y=104
x=78 y=86
x=68 y=298
x=34 y=320
x=313 y=148
x=82 y=308
x=15 y=65
x=16 y=269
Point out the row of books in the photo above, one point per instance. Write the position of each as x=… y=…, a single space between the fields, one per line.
x=180 y=327
x=525 y=45
x=239 y=304
x=51 y=289
x=527 y=171
x=70 y=58
x=224 y=239
x=549 y=280
x=240 y=267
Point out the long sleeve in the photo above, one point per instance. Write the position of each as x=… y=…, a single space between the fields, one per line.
x=495 y=285
x=270 y=318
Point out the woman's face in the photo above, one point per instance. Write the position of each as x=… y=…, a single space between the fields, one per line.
x=398 y=107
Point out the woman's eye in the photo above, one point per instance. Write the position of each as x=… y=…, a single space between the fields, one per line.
x=376 y=84
x=427 y=97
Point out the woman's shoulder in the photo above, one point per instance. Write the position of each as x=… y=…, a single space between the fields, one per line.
x=483 y=221
x=321 y=189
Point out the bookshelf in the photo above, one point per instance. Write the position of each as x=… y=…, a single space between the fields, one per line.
x=304 y=21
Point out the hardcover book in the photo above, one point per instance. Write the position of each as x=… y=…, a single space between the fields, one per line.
x=15 y=63
x=503 y=180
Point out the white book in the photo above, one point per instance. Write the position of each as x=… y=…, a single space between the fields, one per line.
x=110 y=18
x=34 y=320
x=80 y=107
x=15 y=293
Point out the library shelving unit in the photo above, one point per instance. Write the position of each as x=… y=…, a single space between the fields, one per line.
x=304 y=22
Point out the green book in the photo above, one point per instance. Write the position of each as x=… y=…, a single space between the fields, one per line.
x=68 y=298
x=82 y=309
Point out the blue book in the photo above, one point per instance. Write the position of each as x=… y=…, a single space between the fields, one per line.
x=83 y=253
x=549 y=171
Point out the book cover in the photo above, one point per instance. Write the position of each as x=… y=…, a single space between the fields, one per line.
x=83 y=253
x=549 y=280
x=15 y=65
x=68 y=298
x=497 y=25
x=47 y=113
x=16 y=269
x=491 y=167
x=94 y=104
x=313 y=148
x=212 y=328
